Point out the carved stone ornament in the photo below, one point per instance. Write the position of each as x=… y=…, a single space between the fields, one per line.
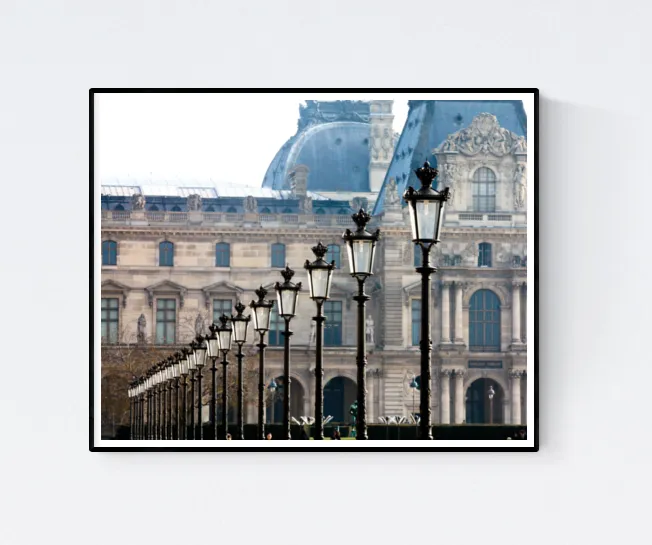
x=516 y=374
x=199 y=325
x=305 y=205
x=360 y=202
x=137 y=201
x=484 y=135
x=194 y=203
x=250 y=205
x=408 y=253
x=470 y=253
x=369 y=330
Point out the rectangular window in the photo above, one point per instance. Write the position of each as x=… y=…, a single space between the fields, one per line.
x=333 y=254
x=221 y=306
x=110 y=320
x=416 y=322
x=418 y=256
x=276 y=328
x=278 y=255
x=109 y=252
x=166 y=321
x=333 y=323
x=222 y=255
x=484 y=255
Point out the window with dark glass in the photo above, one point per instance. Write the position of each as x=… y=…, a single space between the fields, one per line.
x=153 y=208
x=416 y=322
x=210 y=209
x=278 y=255
x=265 y=211
x=231 y=210
x=484 y=254
x=222 y=254
x=276 y=328
x=484 y=322
x=221 y=306
x=484 y=190
x=110 y=320
x=119 y=207
x=333 y=254
x=333 y=323
x=320 y=211
x=166 y=321
x=287 y=210
x=109 y=252
x=166 y=254
x=418 y=256
x=176 y=209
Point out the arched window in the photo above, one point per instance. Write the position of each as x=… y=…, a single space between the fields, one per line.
x=333 y=254
x=210 y=209
x=287 y=210
x=153 y=208
x=484 y=322
x=484 y=255
x=119 y=207
x=278 y=255
x=231 y=210
x=342 y=211
x=222 y=254
x=166 y=254
x=109 y=252
x=265 y=211
x=320 y=211
x=176 y=209
x=484 y=190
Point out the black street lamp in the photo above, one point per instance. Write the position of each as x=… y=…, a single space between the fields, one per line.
x=361 y=246
x=192 y=368
x=272 y=387
x=240 y=326
x=287 y=294
x=261 y=315
x=183 y=371
x=224 y=333
x=168 y=386
x=213 y=342
x=158 y=418
x=491 y=394
x=426 y=207
x=176 y=430
x=320 y=274
x=132 y=410
x=201 y=351
x=148 y=396
x=141 y=408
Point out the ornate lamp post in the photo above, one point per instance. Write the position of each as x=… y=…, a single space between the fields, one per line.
x=361 y=246
x=261 y=315
x=240 y=326
x=491 y=394
x=287 y=294
x=201 y=351
x=213 y=342
x=413 y=386
x=426 y=207
x=183 y=371
x=224 y=332
x=320 y=274
x=158 y=418
x=174 y=362
x=148 y=396
x=272 y=386
x=169 y=387
x=192 y=368
x=132 y=410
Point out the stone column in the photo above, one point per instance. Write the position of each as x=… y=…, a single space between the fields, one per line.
x=459 y=336
x=445 y=396
x=516 y=375
x=459 y=396
x=516 y=311
x=445 y=313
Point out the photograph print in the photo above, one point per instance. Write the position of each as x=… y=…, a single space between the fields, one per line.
x=284 y=269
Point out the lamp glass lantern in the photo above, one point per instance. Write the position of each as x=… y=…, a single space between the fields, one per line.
x=213 y=342
x=201 y=351
x=426 y=207
x=320 y=274
x=183 y=364
x=261 y=311
x=225 y=333
x=361 y=246
x=287 y=294
x=240 y=324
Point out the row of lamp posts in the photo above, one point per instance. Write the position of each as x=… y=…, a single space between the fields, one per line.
x=151 y=396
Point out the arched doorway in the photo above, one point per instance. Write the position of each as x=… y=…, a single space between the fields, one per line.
x=275 y=401
x=339 y=395
x=481 y=407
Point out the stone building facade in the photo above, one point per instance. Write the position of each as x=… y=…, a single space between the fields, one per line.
x=174 y=259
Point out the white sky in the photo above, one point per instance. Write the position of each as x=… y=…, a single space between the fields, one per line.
x=226 y=137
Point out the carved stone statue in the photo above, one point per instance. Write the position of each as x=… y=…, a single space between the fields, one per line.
x=484 y=135
x=199 y=325
x=194 y=203
x=449 y=144
x=520 y=146
x=137 y=201
x=369 y=330
x=305 y=205
x=387 y=143
x=360 y=202
x=391 y=193
x=142 y=328
x=250 y=205
x=520 y=186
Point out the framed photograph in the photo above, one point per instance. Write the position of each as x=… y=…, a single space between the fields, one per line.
x=299 y=270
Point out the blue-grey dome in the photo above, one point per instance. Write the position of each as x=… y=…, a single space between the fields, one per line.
x=333 y=142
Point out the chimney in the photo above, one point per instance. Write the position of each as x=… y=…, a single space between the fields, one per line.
x=298 y=180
